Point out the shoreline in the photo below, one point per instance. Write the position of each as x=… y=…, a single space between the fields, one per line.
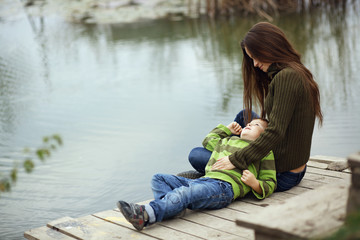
x=98 y=12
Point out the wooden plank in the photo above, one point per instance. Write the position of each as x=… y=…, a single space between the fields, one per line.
x=206 y=225
x=329 y=173
x=321 y=212
x=317 y=164
x=245 y=207
x=228 y=214
x=216 y=220
x=45 y=233
x=310 y=184
x=156 y=230
x=273 y=199
x=203 y=231
x=280 y=197
x=325 y=159
x=331 y=163
x=297 y=190
x=313 y=181
x=354 y=160
x=90 y=227
x=222 y=220
x=315 y=177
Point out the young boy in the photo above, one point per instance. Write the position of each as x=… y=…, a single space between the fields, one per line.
x=217 y=189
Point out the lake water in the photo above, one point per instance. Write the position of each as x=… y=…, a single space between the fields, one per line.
x=131 y=101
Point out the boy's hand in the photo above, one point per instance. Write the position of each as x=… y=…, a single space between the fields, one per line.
x=235 y=128
x=249 y=179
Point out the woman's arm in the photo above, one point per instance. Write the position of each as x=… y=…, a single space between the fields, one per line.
x=284 y=92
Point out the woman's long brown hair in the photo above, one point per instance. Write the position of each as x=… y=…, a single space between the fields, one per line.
x=268 y=44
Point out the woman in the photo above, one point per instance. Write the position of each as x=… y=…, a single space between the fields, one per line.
x=288 y=97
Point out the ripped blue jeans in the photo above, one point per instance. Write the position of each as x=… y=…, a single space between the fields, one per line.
x=173 y=194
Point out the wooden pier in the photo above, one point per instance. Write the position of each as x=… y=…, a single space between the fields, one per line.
x=323 y=192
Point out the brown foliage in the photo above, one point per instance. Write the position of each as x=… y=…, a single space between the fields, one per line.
x=263 y=8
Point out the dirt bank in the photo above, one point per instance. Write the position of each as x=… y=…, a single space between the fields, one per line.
x=98 y=11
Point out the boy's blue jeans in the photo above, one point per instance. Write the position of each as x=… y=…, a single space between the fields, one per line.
x=173 y=194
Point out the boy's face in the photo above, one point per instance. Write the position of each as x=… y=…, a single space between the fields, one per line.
x=253 y=129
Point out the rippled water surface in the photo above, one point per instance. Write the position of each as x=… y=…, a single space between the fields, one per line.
x=131 y=101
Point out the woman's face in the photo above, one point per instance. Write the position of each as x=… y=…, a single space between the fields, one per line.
x=263 y=66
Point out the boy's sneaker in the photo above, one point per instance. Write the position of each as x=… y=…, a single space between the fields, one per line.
x=134 y=213
x=191 y=174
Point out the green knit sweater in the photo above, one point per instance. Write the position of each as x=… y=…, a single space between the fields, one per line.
x=291 y=124
x=222 y=144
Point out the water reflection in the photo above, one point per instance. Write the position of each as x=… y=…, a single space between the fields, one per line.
x=130 y=101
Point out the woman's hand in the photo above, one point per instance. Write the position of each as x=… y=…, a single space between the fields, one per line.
x=223 y=164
